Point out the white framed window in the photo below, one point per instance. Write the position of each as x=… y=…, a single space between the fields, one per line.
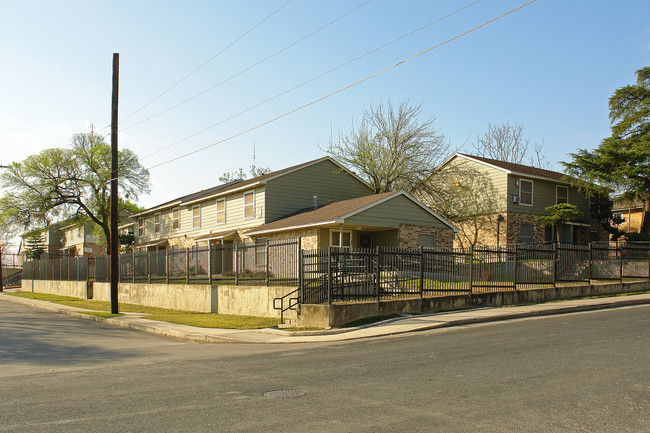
x=526 y=192
x=176 y=218
x=140 y=227
x=196 y=217
x=427 y=240
x=347 y=238
x=561 y=194
x=221 y=211
x=249 y=205
x=156 y=223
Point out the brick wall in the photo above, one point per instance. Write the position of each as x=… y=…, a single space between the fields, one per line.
x=407 y=236
x=308 y=237
x=513 y=223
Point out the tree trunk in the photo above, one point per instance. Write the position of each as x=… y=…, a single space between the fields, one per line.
x=107 y=233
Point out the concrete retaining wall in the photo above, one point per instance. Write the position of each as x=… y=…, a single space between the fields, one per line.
x=335 y=315
x=76 y=289
x=222 y=299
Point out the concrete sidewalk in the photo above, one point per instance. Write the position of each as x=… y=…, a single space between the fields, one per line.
x=388 y=327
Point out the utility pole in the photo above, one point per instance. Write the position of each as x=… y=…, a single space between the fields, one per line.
x=115 y=270
x=2 y=281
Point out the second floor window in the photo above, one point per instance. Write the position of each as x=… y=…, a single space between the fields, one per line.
x=249 y=205
x=221 y=211
x=526 y=192
x=156 y=223
x=196 y=217
x=562 y=195
x=140 y=227
x=176 y=218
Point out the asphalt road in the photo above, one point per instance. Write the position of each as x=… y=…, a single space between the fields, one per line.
x=577 y=372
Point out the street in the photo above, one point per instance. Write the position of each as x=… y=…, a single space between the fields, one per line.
x=575 y=372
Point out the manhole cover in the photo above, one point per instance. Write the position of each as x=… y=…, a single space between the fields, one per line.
x=286 y=393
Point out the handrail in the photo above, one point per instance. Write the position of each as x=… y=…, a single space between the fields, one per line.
x=291 y=306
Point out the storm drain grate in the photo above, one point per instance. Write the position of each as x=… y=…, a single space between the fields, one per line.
x=286 y=393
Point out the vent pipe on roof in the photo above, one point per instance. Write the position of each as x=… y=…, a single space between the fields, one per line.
x=315 y=202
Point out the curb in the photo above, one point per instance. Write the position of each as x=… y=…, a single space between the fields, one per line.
x=153 y=328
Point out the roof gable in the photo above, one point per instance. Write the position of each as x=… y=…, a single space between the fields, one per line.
x=512 y=168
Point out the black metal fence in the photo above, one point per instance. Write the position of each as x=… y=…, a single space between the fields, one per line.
x=59 y=269
x=271 y=263
x=334 y=274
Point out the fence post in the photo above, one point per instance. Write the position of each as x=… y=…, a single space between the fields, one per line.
x=60 y=269
x=471 y=269
x=301 y=277
x=299 y=247
x=590 y=262
x=187 y=266
x=236 y=265
x=167 y=266
x=377 y=273
x=554 y=267
x=329 y=275
x=209 y=263
x=516 y=261
x=421 y=272
x=133 y=265
x=266 y=279
x=620 y=255
x=149 y=266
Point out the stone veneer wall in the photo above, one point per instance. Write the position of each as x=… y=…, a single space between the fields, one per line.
x=487 y=233
x=308 y=237
x=407 y=236
x=513 y=223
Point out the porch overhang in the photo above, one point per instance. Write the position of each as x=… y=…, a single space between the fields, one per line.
x=227 y=234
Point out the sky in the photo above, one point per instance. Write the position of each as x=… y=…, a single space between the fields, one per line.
x=550 y=66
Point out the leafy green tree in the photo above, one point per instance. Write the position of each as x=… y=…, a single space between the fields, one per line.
x=391 y=148
x=34 y=244
x=60 y=183
x=559 y=214
x=622 y=161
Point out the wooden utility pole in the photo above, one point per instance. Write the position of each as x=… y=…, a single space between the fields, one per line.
x=115 y=265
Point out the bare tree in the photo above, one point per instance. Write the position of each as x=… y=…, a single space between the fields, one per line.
x=506 y=142
x=391 y=148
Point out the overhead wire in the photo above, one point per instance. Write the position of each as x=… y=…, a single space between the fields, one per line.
x=408 y=59
x=203 y=64
x=247 y=68
x=310 y=80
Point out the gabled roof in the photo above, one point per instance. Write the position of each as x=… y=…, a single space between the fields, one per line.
x=512 y=168
x=336 y=213
x=239 y=185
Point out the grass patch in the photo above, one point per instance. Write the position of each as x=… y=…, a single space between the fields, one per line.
x=190 y=318
x=369 y=320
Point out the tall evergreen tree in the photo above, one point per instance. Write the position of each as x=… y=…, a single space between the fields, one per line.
x=622 y=161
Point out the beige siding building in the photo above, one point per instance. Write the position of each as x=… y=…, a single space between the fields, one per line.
x=523 y=193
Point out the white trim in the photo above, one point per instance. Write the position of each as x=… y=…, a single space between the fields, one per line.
x=179 y=218
x=338 y=237
x=216 y=210
x=532 y=188
x=193 y=217
x=244 y=205
x=556 y=194
x=159 y=215
x=282 y=229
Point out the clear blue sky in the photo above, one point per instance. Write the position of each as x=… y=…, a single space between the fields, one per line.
x=550 y=66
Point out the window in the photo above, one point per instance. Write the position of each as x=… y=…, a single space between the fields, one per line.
x=176 y=218
x=156 y=223
x=526 y=192
x=426 y=240
x=347 y=239
x=249 y=205
x=140 y=227
x=526 y=233
x=196 y=217
x=561 y=194
x=221 y=211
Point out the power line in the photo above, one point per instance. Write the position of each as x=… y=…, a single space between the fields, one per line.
x=341 y=89
x=207 y=61
x=310 y=80
x=248 y=68
x=203 y=64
